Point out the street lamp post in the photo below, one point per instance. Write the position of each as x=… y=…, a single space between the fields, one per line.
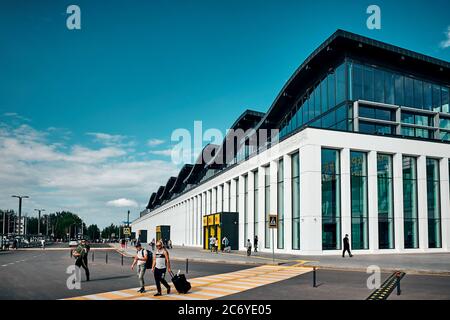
x=128 y=219
x=39 y=219
x=20 y=210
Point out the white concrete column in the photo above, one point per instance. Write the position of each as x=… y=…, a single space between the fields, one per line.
x=310 y=199
x=372 y=177
x=261 y=208
x=242 y=210
x=208 y=201
x=226 y=195
x=398 y=202
x=195 y=221
x=287 y=183
x=346 y=206
x=214 y=200
x=219 y=198
x=422 y=202
x=273 y=200
x=191 y=236
x=251 y=204
x=188 y=222
x=445 y=203
x=233 y=196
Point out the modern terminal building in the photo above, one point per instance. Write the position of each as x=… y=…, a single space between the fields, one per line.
x=362 y=149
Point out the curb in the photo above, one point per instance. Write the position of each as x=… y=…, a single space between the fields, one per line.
x=386 y=270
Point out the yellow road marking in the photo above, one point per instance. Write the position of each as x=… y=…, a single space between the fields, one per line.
x=210 y=287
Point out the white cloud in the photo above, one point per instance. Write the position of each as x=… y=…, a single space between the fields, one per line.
x=165 y=152
x=154 y=142
x=446 y=43
x=58 y=176
x=122 y=202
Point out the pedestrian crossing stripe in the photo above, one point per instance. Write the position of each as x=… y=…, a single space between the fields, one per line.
x=210 y=287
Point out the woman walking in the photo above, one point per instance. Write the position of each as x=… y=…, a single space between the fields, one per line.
x=161 y=264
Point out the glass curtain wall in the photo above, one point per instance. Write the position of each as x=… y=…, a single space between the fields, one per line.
x=410 y=212
x=385 y=202
x=433 y=200
x=255 y=204
x=295 y=162
x=280 y=204
x=245 y=209
x=359 y=205
x=267 y=206
x=331 y=203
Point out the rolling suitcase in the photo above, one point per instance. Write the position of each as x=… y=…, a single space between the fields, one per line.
x=180 y=283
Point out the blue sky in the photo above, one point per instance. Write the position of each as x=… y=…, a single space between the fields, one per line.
x=86 y=103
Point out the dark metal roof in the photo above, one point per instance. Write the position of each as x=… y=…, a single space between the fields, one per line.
x=157 y=200
x=150 y=201
x=166 y=193
x=179 y=185
x=346 y=44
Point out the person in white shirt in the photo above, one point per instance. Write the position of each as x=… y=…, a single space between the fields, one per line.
x=140 y=260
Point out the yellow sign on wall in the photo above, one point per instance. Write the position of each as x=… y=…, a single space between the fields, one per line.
x=217 y=219
x=158 y=229
x=210 y=220
x=205 y=221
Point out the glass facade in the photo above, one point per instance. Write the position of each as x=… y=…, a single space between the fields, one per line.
x=410 y=212
x=267 y=206
x=295 y=162
x=433 y=202
x=359 y=204
x=323 y=106
x=255 y=203
x=245 y=209
x=331 y=200
x=236 y=183
x=385 y=202
x=280 y=204
x=385 y=86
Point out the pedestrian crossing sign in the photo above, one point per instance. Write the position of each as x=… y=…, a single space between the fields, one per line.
x=127 y=231
x=272 y=221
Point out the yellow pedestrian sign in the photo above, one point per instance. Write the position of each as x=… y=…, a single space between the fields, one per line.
x=272 y=221
x=127 y=231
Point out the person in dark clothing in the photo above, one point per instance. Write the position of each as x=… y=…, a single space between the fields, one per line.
x=255 y=243
x=80 y=254
x=346 y=247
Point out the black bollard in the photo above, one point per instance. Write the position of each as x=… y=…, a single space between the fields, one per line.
x=314 y=278
x=121 y=258
x=106 y=257
x=92 y=256
x=187 y=266
x=399 y=291
x=70 y=253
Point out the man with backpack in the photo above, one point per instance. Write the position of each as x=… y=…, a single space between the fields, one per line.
x=143 y=261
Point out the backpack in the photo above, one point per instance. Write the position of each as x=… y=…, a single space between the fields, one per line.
x=149 y=262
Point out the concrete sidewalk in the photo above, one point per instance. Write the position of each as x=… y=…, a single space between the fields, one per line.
x=412 y=263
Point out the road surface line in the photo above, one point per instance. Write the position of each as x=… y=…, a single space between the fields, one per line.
x=212 y=286
x=95 y=297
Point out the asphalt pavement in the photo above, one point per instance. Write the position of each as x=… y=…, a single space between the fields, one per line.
x=41 y=274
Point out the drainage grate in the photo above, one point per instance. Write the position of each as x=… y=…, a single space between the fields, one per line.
x=387 y=287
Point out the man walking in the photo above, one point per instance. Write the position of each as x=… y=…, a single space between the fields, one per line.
x=249 y=247
x=140 y=261
x=212 y=242
x=346 y=247
x=225 y=243
x=255 y=243
x=81 y=256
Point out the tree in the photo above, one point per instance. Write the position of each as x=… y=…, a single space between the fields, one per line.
x=93 y=232
x=108 y=231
